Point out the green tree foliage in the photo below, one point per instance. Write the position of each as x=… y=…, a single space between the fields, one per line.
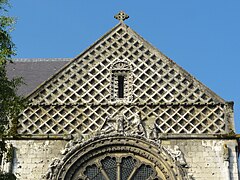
x=10 y=103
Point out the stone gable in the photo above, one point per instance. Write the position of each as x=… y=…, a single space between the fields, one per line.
x=83 y=94
x=123 y=110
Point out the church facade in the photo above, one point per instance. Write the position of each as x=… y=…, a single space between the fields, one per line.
x=123 y=110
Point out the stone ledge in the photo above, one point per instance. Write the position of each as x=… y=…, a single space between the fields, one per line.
x=161 y=136
x=199 y=136
x=40 y=137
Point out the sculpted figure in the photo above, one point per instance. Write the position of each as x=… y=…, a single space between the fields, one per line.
x=225 y=153
x=51 y=168
x=68 y=146
x=72 y=143
x=151 y=128
x=138 y=125
x=120 y=124
x=177 y=155
x=109 y=125
x=114 y=124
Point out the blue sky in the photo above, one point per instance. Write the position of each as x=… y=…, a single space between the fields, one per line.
x=201 y=36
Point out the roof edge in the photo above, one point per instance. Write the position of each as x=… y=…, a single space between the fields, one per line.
x=39 y=59
x=187 y=74
x=74 y=59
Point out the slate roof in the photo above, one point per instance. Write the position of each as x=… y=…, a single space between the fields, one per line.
x=34 y=71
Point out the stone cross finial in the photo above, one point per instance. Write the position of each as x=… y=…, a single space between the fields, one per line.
x=121 y=16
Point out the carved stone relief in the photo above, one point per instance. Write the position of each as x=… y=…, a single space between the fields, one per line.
x=177 y=155
x=51 y=168
x=121 y=124
x=85 y=155
x=225 y=152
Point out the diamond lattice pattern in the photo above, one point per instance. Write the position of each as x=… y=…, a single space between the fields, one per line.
x=49 y=119
x=78 y=98
x=88 y=78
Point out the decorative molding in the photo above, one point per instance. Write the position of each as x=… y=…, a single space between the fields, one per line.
x=85 y=151
x=121 y=68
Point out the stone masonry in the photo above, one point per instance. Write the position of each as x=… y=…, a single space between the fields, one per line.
x=124 y=110
x=205 y=158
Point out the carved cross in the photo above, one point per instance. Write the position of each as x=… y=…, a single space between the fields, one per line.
x=121 y=16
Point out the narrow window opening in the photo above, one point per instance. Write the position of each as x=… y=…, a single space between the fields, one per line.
x=120 y=86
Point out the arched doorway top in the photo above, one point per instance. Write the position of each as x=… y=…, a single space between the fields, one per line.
x=104 y=156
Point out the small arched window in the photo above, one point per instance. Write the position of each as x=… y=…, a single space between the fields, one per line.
x=121 y=85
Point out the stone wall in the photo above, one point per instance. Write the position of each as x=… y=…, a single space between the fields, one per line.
x=32 y=157
x=206 y=159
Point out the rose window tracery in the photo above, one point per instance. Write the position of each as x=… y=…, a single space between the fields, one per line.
x=117 y=157
x=119 y=167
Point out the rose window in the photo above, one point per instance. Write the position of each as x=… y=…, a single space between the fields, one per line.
x=119 y=168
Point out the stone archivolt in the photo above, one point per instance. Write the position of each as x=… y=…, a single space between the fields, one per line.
x=113 y=156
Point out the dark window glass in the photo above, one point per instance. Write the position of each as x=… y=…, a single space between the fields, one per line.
x=120 y=86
